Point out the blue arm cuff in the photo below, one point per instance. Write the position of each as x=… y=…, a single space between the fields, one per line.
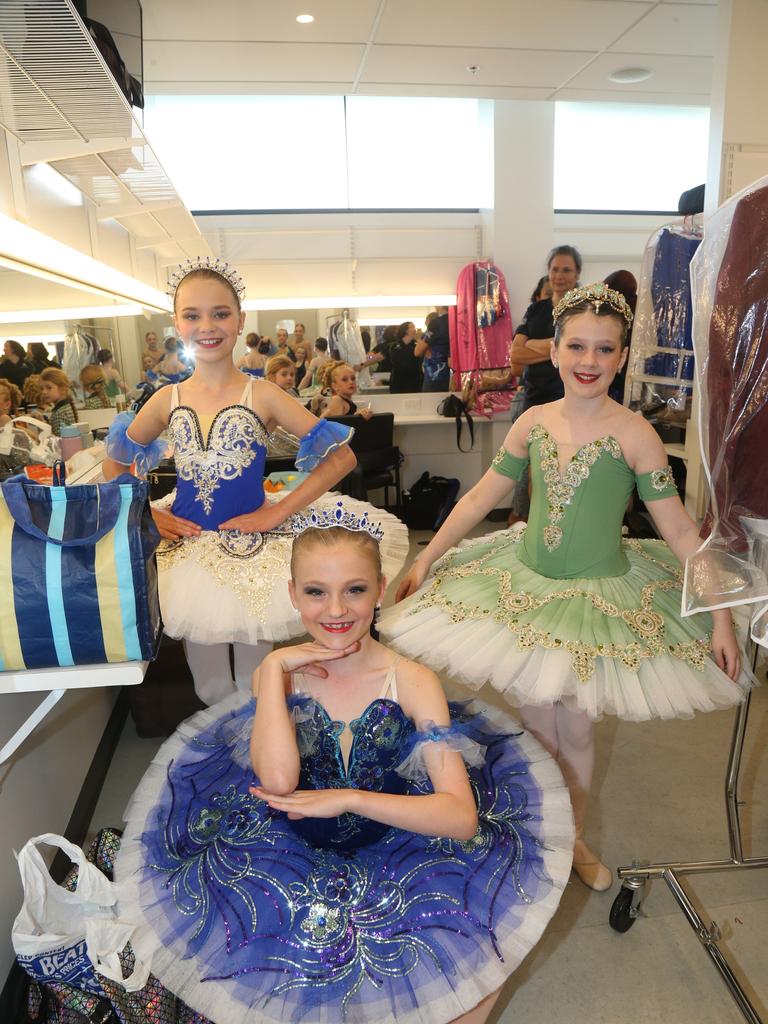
x=125 y=450
x=322 y=439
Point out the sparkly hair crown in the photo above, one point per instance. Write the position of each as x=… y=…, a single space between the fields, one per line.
x=326 y=518
x=596 y=294
x=218 y=266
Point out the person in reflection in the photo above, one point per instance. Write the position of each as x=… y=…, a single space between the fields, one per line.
x=406 y=356
x=339 y=384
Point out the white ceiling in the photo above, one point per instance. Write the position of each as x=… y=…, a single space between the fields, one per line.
x=548 y=49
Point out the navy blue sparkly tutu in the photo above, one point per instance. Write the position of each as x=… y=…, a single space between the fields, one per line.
x=249 y=916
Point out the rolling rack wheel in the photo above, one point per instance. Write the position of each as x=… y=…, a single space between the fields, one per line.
x=625 y=909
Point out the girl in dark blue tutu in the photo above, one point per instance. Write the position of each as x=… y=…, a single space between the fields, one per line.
x=346 y=846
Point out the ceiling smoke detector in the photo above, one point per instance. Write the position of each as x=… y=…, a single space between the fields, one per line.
x=630 y=76
x=473 y=68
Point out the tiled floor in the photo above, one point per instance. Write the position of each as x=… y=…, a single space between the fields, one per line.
x=657 y=796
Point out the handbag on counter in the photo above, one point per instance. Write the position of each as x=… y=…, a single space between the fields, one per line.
x=456 y=408
x=77 y=574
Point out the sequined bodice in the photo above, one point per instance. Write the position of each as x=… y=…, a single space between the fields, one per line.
x=380 y=737
x=220 y=476
x=574 y=526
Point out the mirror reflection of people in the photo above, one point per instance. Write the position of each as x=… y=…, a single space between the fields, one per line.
x=153 y=350
x=406 y=357
x=10 y=401
x=254 y=360
x=317 y=362
x=56 y=392
x=281 y=371
x=115 y=384
x=339 y=384
x=13 y=366
x=437 y=358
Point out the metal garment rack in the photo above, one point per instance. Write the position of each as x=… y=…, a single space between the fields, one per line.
x=626 y=906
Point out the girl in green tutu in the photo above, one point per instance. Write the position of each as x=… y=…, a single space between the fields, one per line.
x=565 y=618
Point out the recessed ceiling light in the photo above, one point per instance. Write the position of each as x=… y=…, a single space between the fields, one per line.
x=629 y=76
x=305 y=19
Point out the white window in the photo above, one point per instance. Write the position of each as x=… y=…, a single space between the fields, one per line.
x=251 y=152
x=309 y=152
x=628 y=156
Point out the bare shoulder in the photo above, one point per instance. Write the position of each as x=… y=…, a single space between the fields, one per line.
x=637 y=438
x=516 y=440
x=420 y=692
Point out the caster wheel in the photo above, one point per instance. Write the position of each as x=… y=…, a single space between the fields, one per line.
x=623 y=911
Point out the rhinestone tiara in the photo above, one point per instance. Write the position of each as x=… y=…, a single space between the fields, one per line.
x=218 y=266
x=326 y=518
x=596 y=294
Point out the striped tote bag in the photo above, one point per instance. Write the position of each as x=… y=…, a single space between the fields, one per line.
x=78 y=580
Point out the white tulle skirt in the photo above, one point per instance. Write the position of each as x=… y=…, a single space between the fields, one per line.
x=233 y=588
x=614 y=645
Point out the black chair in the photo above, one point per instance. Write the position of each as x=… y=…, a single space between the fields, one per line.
x=377 y=455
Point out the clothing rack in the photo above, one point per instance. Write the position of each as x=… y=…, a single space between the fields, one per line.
x=626 y=906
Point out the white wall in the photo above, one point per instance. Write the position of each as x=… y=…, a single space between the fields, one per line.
x=39 y=785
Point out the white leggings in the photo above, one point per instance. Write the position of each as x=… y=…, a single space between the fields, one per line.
x=211 y=671
x=567 y=735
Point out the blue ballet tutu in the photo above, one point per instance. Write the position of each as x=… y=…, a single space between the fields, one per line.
x=248 y=920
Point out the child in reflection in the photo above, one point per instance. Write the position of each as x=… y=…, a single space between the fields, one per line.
x=94 y=387
x=397 y=858
x=339 y=383
x=56 y=392
x=281 y=371
x=10 y=401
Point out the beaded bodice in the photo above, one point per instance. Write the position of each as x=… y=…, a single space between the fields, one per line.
x=574 y=526
x=219 y=476
x=381 y=736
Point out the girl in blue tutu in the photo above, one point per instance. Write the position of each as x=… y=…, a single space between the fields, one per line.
x=223 y=565
x=345 y=846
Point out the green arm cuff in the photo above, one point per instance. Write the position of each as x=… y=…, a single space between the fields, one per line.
x=657 y=484
x=506 y=464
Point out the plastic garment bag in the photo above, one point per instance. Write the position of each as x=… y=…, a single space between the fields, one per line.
x=729 y=276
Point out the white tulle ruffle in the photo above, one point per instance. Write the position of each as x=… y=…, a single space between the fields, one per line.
x=209 y=596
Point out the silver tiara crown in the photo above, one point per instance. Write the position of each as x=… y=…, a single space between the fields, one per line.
x=218 y=266
x=325 y=518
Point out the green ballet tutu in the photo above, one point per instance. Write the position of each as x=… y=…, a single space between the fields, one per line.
x=615 y=644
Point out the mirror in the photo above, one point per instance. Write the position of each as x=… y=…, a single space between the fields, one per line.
x=50 y=323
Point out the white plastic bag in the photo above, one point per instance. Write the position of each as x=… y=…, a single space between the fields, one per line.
x=71 y=937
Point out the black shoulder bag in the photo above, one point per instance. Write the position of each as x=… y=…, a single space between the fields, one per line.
x=454 y=408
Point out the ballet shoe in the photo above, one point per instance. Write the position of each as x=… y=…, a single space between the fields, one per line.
x=590 y=869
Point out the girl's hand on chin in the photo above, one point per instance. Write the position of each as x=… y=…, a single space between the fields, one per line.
x=309 y=657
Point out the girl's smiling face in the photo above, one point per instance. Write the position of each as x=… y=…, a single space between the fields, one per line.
x=207 y=318
x=336 y=589
x=589 y=354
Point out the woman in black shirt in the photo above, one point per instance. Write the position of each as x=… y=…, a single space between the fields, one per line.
x=531 y=344
x=406 y=357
